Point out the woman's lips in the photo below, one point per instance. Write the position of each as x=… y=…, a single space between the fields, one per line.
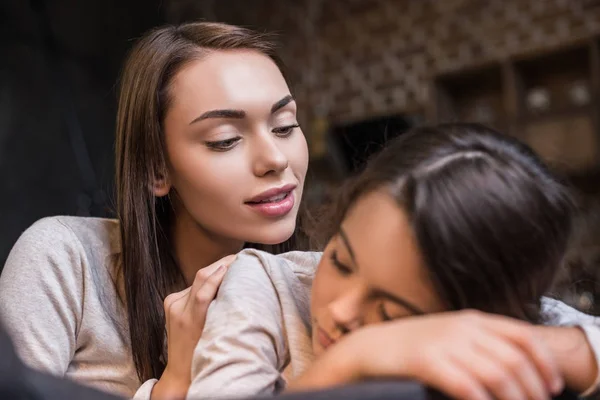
x=277 y=206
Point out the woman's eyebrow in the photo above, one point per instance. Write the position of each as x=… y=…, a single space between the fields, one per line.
x=235 y=114
x=281 y=103
x=241 y=114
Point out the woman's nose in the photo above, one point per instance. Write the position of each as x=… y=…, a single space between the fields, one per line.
x=268 y=156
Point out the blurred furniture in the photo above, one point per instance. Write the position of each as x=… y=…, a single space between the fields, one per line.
x=548 y=100
x=19 y=382
x=382 y=390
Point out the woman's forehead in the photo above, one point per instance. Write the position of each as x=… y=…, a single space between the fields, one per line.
x=240 y=79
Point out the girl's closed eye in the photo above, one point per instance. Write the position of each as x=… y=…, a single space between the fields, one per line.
x=341 y=267
x=384 y=314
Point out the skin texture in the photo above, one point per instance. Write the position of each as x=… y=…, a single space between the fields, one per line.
x=218 y=163
x=359 y=281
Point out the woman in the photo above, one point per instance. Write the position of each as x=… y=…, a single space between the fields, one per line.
x=210 y=159
x=448 y=218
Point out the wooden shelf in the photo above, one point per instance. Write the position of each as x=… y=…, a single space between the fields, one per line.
x=563 y=77
x=475 y=95
x=549 y=100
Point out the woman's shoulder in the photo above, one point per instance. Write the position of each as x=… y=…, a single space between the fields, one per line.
x=86 y=226
x=86 y=231
x=64 y=240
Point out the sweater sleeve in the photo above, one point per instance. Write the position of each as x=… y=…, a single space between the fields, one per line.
x=144 y=392
x=41 y=295
x=242 y=347
x=558 y=313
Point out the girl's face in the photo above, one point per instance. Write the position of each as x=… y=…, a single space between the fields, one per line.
x=371 y=271
x=237 y=158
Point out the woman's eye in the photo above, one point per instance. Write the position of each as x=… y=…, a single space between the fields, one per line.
x=342 y=268
x=223 y=145
x=285 y=131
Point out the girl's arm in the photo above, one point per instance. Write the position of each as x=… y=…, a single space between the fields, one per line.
x=576 y=345
x=466 y=355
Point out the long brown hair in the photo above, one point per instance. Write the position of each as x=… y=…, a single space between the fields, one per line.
x=491 y=220
x=147 y=266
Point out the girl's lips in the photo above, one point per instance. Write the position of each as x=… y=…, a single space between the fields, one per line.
x=324 y=339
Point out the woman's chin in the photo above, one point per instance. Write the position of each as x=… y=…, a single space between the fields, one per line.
x=276 y=235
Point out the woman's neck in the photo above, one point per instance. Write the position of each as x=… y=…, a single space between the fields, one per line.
x=196 y=248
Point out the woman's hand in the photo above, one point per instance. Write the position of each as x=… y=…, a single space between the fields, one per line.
x=466 y=355
x=185 y=314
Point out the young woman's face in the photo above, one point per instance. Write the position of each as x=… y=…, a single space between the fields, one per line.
x=237 y=158
x=371 y=271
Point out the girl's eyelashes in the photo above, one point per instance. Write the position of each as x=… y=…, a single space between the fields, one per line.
x=342 y=268
x=223 y=145
x=384 y=315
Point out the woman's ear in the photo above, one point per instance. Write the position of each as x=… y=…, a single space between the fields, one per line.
x=161 y=186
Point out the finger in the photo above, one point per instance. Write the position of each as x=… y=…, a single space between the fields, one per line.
x=181 y=294
x=205 y=272
x=518 y=364
x=453 y=380
x=491 y=372
x=208 y=291
x=523 y=335
x=493 y=376
x=173 y=298
x=170 y=301
x=201 y=278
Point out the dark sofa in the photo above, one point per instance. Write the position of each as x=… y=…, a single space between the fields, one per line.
x=17 y=382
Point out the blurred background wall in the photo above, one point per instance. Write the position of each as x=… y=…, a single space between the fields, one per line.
x=362 y=72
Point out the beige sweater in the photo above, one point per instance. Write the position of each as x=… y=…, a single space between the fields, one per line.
x=59 y=303
x=258 y=330
x=257 y=336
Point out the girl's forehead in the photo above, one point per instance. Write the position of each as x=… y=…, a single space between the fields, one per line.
x=385 y=250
